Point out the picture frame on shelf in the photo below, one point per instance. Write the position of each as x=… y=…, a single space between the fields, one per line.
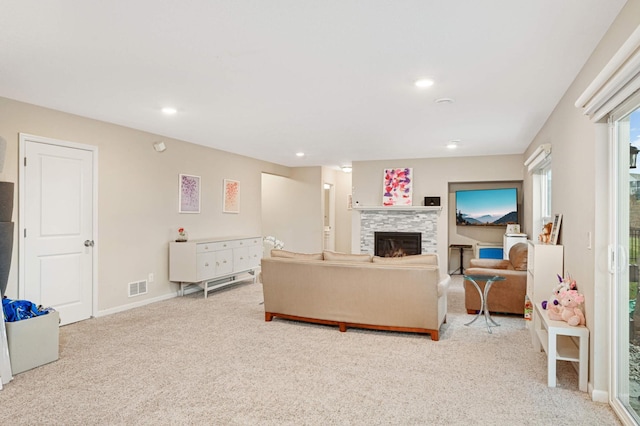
x=555 y=228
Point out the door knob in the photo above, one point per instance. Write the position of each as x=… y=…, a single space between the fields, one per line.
x=88 y=243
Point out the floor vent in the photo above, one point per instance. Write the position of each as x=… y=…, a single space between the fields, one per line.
x=137 y=288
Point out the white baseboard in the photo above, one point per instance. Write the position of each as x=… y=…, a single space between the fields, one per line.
x=598 y=395
x=144 y=302
x=194 y=288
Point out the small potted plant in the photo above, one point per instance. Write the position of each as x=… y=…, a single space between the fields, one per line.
x=182 y=235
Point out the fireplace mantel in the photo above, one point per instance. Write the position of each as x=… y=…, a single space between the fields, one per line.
x=399 y=208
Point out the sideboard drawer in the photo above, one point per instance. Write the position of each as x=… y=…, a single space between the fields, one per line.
x=206 y=265
x=224 y=262
x=213 y=246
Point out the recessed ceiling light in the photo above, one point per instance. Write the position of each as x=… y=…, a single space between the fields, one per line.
x=423 y=83
x=453 y=144
x=300 y=154
x=444 y=101
x=169 y=110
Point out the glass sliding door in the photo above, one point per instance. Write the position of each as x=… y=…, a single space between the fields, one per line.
x=626 y=260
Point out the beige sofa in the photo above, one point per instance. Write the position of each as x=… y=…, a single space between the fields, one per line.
x=402 y=294
x=504 y=296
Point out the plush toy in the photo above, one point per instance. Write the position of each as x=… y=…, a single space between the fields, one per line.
x=569 y=309
x=545 y=237
x=564 y=284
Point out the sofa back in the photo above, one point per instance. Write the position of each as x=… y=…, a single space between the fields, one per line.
x=377 y=293
x=419 y=259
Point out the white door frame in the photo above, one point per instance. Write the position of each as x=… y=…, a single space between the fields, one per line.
x=24 y=138
x=618 y=262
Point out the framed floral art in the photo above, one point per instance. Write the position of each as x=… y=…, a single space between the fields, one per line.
x=189 y=195
x=231 y=201
x=397 y=188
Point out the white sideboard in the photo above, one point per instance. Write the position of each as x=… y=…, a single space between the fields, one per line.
x=215 y=262
x=544 y=263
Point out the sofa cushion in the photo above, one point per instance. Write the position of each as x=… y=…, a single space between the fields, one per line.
x=418 y=259
x=293 y=255
x=518 y=256
x=346 y=257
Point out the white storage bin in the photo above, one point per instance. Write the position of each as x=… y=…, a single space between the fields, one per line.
x=33 y=342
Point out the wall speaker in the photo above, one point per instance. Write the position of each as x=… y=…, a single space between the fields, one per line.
x=431 y=201
x=159 y=146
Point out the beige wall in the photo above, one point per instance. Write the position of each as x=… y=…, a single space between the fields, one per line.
x=138 y=196
x=432 y=177
x=343 y=215
x=292 y=208
x=580 y=171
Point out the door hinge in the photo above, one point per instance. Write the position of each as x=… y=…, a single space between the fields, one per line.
x=25 y=161
x=25 y=232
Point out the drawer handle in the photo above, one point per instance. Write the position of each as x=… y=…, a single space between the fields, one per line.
x=241 y=243
x=241 y=258
x=224 y=261
x=206 y=264
x=224 y=245
x=206 y=247
x=217 y=263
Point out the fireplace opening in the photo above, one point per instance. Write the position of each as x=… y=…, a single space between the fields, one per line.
x=397 y=244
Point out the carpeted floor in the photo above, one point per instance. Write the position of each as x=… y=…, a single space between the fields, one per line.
x=215 y=361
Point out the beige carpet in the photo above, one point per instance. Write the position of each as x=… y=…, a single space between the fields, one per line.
x=215 y=361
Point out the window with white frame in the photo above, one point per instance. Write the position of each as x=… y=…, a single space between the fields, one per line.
x=539 y=165
x=545 y=192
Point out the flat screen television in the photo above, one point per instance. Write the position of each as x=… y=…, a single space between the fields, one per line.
x=487 y=207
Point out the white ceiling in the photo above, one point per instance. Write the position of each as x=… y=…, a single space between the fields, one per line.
x=331 y=78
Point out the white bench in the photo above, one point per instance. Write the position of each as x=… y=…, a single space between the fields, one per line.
x=558 y=339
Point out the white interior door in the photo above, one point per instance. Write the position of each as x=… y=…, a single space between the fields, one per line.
x=57 y=212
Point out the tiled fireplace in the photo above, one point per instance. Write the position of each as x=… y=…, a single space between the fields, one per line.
x=422 y=220
x=397 y=244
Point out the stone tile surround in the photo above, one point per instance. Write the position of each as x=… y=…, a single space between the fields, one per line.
x=388 y=220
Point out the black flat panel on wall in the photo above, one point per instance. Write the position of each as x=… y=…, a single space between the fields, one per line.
x=431 y=201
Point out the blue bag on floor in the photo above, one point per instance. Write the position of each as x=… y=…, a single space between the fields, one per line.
x=16 y=310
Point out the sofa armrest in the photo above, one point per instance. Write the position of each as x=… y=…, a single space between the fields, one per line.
x=443 y=284
x=489 y=263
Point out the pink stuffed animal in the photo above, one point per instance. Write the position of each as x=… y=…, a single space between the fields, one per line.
x=569 y=308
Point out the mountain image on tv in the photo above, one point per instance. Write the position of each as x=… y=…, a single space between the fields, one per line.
x=487 y=207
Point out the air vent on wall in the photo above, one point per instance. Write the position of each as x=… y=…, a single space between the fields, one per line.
x=137 y=288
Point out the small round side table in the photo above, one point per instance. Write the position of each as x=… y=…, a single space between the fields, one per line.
x=490 y=279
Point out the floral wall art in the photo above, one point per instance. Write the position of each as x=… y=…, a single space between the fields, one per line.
x=231 y=202
x=189 y=197
x=397 y=189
